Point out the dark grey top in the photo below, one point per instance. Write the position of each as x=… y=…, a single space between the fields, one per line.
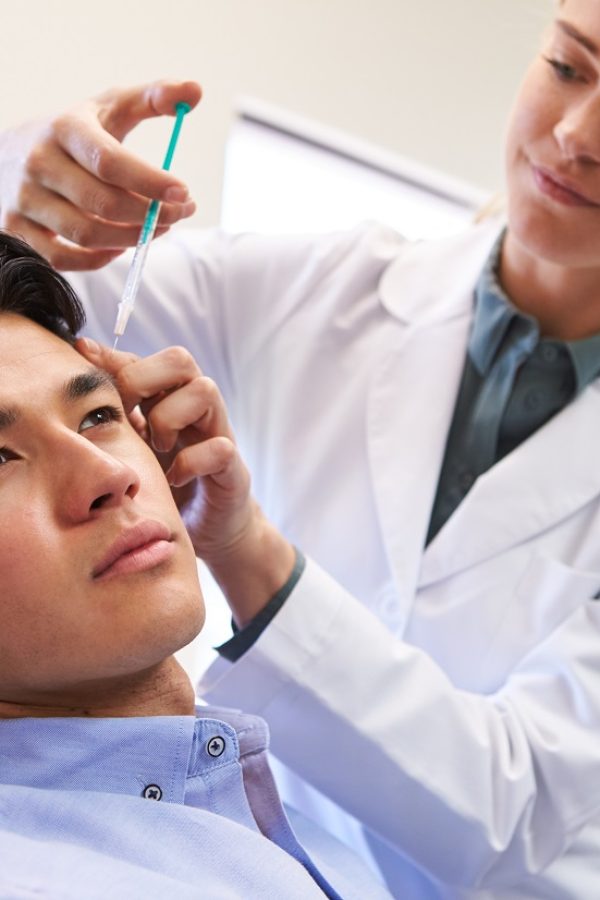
x=513 y=382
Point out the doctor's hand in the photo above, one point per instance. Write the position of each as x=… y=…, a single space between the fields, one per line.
x=182 y=416
x=69 y=187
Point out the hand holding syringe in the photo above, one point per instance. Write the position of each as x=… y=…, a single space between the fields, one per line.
x=134 y=276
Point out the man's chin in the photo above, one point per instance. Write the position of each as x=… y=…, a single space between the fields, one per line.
x=192 y=628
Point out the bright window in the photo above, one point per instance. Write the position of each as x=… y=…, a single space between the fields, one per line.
x=285 y=174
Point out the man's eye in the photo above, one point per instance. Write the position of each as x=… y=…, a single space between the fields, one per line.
x=104 y=415
x=564 y=71
x=6 y=455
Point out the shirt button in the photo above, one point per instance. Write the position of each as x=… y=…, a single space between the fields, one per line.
x=152 y=792
x=215 y=746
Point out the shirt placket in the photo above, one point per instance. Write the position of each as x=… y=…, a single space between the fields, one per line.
x=214 y=780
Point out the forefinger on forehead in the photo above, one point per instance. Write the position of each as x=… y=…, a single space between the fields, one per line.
x=142 y=378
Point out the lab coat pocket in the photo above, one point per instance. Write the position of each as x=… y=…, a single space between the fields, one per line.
x=548 y=592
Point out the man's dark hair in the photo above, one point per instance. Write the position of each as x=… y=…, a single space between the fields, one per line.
x=30 y=287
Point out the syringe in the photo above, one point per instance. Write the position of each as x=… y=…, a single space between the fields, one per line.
x=134 y=276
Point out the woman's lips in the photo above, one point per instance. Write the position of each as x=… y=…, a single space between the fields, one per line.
x=558 y=189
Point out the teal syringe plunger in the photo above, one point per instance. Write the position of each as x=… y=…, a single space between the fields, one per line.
x=134 y=276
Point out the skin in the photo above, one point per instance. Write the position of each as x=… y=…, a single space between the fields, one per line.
x=186 y=422
x=550 y=263
x=69 y=177
x=74 y=474
x=70 y=482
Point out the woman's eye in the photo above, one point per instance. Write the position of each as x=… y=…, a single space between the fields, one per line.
x=104 y=415
x=564 y=71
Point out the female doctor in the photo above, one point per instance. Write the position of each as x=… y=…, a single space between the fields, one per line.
x=422 y=422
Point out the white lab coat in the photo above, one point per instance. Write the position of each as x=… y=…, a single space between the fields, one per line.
x=449 y=699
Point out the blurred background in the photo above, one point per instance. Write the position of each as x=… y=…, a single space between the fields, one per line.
x=427 y=80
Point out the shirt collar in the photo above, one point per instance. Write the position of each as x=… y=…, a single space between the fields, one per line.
x=585 y=355
x=494 y=313
x=123 y=755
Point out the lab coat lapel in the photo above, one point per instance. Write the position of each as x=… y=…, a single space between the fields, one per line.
x=549 y=476
x=407 y=433
x=429 y=291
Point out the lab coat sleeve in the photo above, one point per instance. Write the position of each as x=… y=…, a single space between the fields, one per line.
x=478 y=790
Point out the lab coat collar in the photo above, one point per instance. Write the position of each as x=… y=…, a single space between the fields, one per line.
x=453 y=266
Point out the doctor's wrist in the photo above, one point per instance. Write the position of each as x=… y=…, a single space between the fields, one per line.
x=243 y=639
x=254 y=569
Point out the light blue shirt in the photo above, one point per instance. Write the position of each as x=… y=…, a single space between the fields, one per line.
x=160 y=807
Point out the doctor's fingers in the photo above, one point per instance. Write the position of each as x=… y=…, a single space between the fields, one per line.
x=217 y=458
x=59 y=254
x=58 y=215
x=178 y=401
x=188 y=414
x=92 y=133
x=49 y=167
x=121 y=109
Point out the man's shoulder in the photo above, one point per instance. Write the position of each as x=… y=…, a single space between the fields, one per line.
x=74 y=844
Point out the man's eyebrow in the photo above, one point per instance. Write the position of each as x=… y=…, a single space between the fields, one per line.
x=572 y=32
x=8 y=417
x=86 y=383
x=75 y=388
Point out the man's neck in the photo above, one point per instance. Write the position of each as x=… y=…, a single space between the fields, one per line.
x=163 y=690
x=565 y=301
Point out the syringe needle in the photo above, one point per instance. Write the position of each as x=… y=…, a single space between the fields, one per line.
x=134 y=276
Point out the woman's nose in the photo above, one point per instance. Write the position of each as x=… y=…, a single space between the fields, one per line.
x=578 y=132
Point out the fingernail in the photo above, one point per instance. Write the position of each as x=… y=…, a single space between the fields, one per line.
x=177 y=194
x=91 y=345
x=185 y=210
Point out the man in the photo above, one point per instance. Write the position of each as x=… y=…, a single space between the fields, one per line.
x=112 y=781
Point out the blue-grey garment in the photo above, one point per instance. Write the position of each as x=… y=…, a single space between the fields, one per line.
x=245 y=637
x=513 y=382
x=160 y=807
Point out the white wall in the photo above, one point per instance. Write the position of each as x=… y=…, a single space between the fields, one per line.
x=430 y=79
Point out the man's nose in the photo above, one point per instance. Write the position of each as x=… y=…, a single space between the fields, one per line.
x=578 y=131
x=91 y=480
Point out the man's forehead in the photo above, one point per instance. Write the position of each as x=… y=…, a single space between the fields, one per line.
x=22 y=340
x=36 y=364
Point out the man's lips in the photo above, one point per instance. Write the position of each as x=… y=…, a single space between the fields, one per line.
x=139 y=547
x=559 y=188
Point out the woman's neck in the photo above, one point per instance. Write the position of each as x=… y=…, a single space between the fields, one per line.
x=564 y=300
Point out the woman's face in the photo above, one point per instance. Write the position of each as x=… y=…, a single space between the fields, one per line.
x=553 y=143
